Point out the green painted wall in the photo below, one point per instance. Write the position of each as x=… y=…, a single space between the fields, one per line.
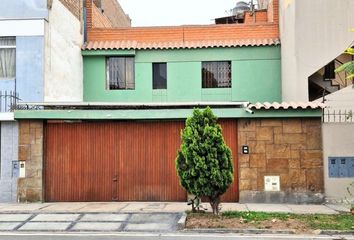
x=256 y=75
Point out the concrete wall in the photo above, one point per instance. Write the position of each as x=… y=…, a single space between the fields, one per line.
x=63 y=60
x=23 y=9
x=312 y=34
x=290 y=149
x=337 y=142
x=255 y=76
x=8 y=153
x=30 y=68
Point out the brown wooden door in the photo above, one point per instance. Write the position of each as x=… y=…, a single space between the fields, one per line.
x=124 y=161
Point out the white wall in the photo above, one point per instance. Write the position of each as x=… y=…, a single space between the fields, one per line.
x=25 y=27
x=63 y=60
x=313 y=32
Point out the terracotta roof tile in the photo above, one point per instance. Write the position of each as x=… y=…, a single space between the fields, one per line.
x=126 y=45
x=285 y=105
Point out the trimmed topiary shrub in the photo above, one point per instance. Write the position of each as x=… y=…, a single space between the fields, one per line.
x=204 y=161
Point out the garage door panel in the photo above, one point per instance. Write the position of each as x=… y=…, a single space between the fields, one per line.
x=124 y=161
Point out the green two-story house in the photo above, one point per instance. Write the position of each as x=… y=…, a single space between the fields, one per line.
x=140 y=84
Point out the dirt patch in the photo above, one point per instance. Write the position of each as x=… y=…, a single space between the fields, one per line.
x=210 y=221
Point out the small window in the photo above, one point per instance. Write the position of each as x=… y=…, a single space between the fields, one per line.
x=120 y=73
x=159 y=76
x=216 y=74
x=7 y=57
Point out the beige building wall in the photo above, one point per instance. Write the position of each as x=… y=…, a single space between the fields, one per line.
x=63 y=60
x=312 y=34
x=337 y=142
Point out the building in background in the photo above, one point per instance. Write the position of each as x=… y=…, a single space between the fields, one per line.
x=314 y=36
x=41 y=61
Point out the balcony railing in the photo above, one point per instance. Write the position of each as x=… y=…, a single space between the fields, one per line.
x=8 y=101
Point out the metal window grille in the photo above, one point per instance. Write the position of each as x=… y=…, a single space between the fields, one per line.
x=8 y=101
x=337 y=116
x=216 y=74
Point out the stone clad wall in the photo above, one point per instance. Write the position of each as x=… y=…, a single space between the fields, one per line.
x=30 y=188
x=289 y=148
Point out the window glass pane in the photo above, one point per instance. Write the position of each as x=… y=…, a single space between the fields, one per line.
x=7 y=57
x=159 y=76
x=216 y=74
x=7 y=41
x=120 y=72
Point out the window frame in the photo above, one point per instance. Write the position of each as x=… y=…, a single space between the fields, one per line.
x=108 y=85
x=9 y=47
x=230 y=74
x=153 y=75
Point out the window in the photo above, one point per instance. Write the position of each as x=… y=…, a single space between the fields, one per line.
x=159 y=76
x=7 y=57
x=216 y=74
x=120 y=73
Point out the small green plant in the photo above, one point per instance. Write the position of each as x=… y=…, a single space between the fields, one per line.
x=203 y=162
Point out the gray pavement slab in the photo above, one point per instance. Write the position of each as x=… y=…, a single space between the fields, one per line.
x=9 y=226
x=156 y=218
x=339 y=208
x=311 y=209
x=64 y=207
x=103 y=207
x=14 y=217
x=96 y=226
x=45 y=226
x=55 y=217
x=279 y=208
x=104 y=217
x=148 y=227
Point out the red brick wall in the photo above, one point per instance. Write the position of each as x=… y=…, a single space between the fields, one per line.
x=99 y=20
x=74 y=6
x=187 y=33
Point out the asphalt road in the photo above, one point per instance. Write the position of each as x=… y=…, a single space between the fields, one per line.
x=177 y=236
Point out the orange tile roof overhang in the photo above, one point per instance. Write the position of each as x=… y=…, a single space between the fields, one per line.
x=127 y=45
x=286 y=105
x=178 y=37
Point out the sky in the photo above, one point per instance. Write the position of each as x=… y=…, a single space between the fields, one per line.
x=175 y=12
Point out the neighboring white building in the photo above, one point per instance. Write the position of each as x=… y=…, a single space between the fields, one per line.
x=313 y=33
x=40 y=56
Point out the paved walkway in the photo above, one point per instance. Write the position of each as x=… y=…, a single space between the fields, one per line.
x=122 y=217
x=92 y=222
x=161 y=207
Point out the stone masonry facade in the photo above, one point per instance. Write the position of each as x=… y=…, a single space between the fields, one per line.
x=288 y=148
x=30 y=188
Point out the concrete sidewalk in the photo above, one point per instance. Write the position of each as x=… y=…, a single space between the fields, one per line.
x=162 y=207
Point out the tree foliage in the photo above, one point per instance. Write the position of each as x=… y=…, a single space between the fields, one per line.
x=204 y=161
x=349 y=66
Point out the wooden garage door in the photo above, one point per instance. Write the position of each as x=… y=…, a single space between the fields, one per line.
x=118 y=161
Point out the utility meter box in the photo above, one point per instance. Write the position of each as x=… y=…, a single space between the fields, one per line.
x=272 y=183
x=22 y=171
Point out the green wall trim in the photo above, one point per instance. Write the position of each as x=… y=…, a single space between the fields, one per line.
x=158 y=114
x=108 y=52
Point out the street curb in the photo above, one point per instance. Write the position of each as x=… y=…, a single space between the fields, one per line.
x=239 y=230
x=181 y=224
x=336 y=232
